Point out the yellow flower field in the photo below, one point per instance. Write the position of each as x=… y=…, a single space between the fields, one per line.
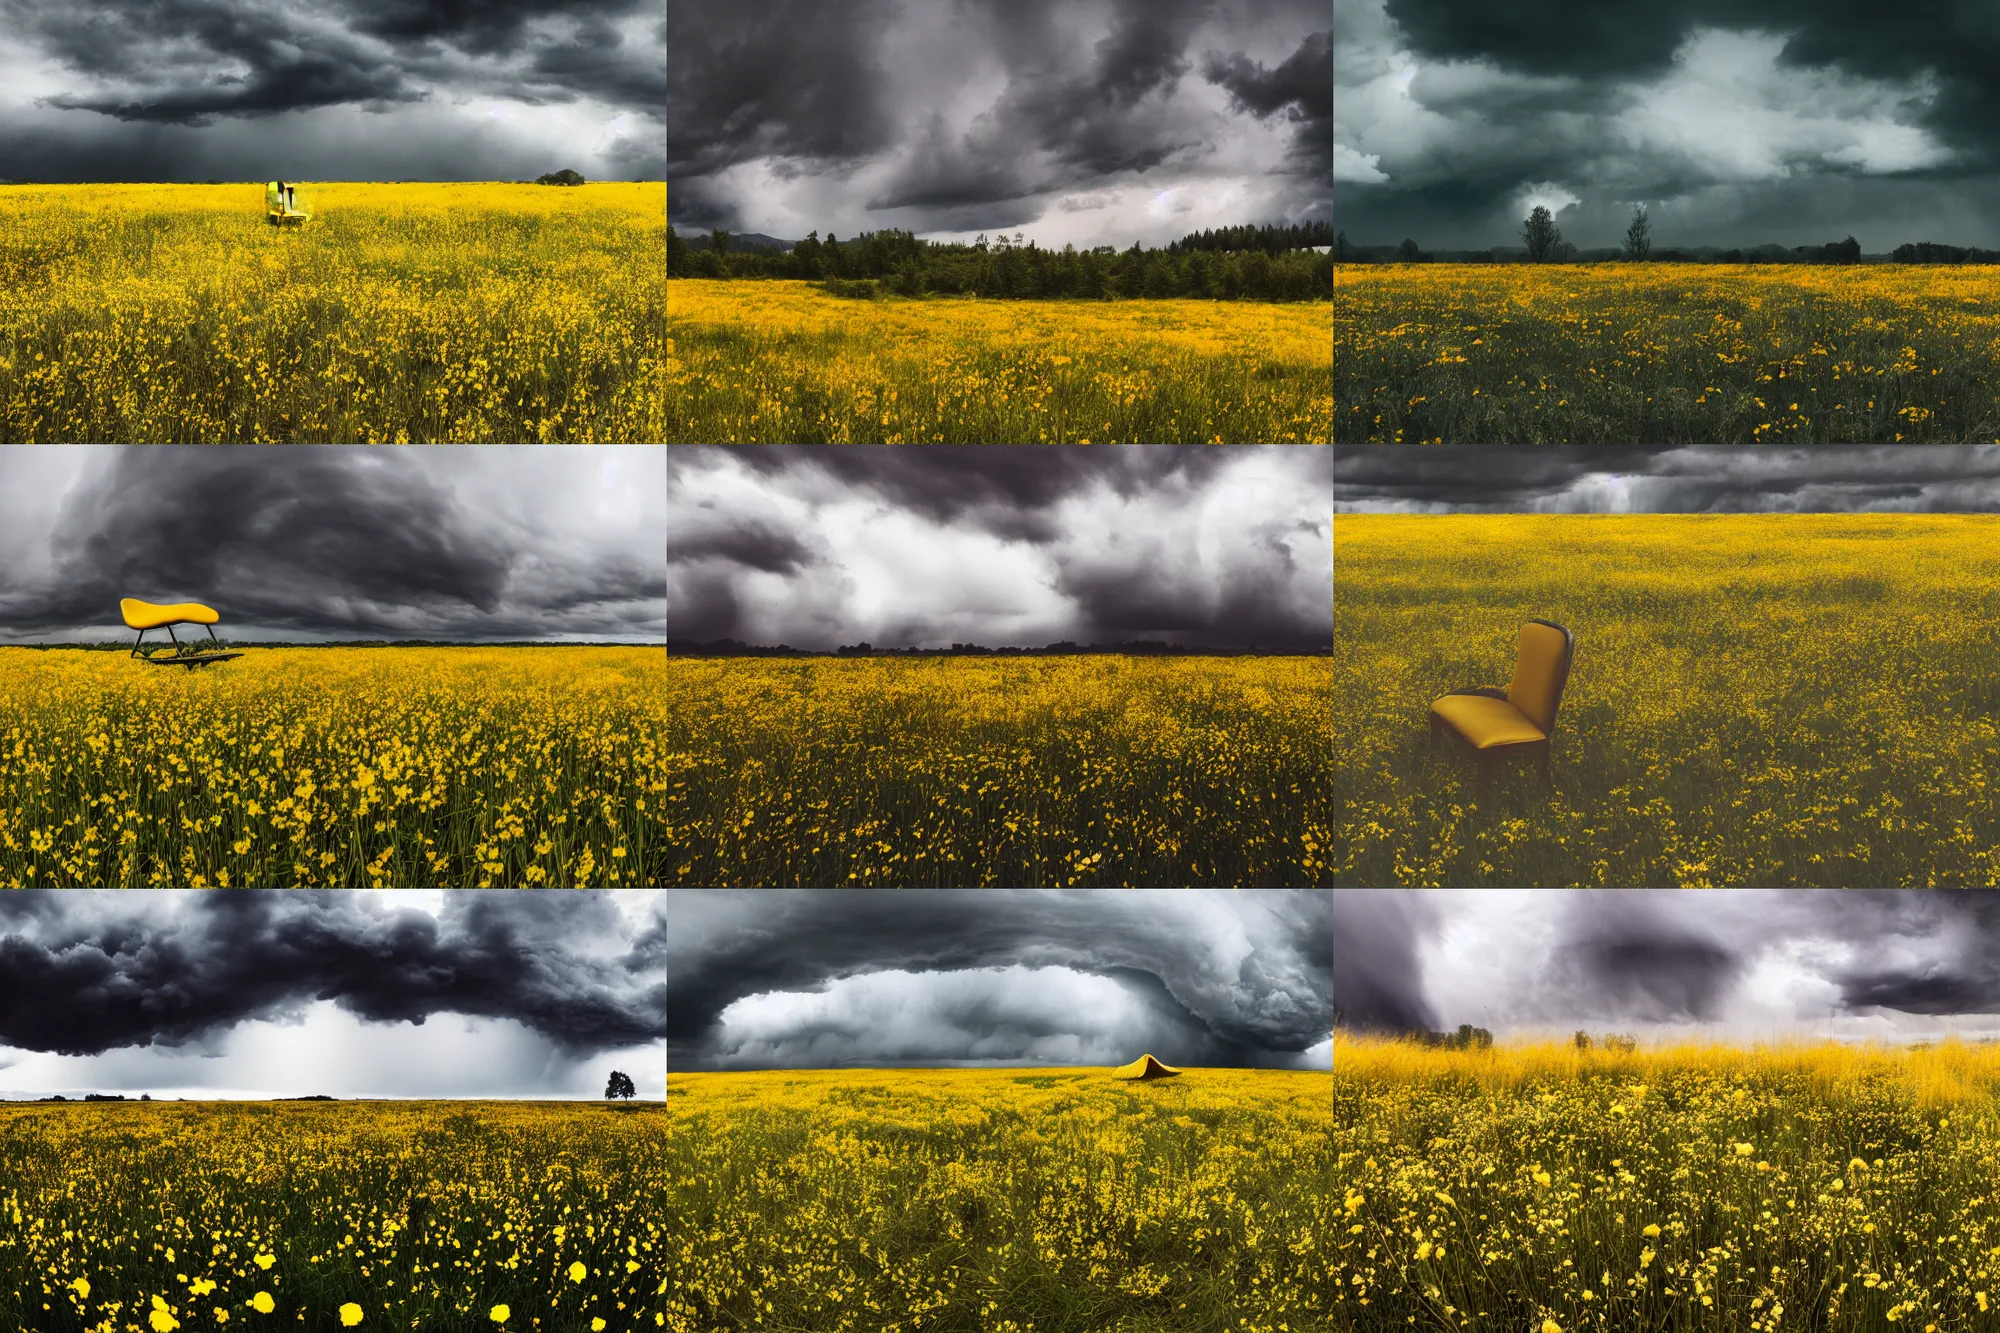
x=425 y=312
x=1666 y=354
x=342 y=767
x=446 y=1217
x=1090 y=770
x=783 y=362
x=1778 y=700
x=1542 y=1187
x=1010 y=1201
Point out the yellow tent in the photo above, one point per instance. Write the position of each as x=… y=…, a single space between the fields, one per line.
x=1145 y=1067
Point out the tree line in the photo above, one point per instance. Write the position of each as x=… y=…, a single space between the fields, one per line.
x=1271 y=240
x=898 y=262
x=1543 y=243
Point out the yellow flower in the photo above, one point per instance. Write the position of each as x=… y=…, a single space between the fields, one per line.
x=498 y=1314
x=82 y=1287
x=1551 y=1326
x=350 y=1315
x=577 y=1272
x=265 y=1261
x=262 y=1303
x=1744 y=1149
x=597 y=1324
x=1651 y=1230
x=162 y=1319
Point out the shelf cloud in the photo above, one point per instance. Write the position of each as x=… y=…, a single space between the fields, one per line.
x=836 y=977
x=196 y=988
x=556 y=542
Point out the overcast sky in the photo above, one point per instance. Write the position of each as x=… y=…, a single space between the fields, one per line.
x=1618 y=479
x=360 y=993
x=1075 y=121
x=1735 y=121
x=1001 y=545
x=1734 y=964
x=337 y=541
x=178 y=90
x=831 y=978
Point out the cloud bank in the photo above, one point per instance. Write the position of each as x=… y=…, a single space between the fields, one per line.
x=826 y=978
x=1859 y=963
x=1084 y=121
x=1000 y=545
x=332 y=89
x=1620 y=479
x=1735 y=123
x=504 y=542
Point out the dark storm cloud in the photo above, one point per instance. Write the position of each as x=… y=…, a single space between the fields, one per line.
x=817 y=546
x=1407 y=960
x=1738 y=123
x=1377 y=979
x=1301 y=87
x=956 y=115
x=243 y=63
x=1231 y=976
x=1703 y=479
x=82 y=973
x=346 y=540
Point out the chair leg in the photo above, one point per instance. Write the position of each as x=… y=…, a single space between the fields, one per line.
x=1483 y=766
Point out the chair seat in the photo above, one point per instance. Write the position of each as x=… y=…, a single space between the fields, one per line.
x=147 y=615
x=1487 y=723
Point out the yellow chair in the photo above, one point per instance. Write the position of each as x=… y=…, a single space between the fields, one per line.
x=143 y=616
x=281 y=204
x=1520 y=718
x=1145 y=1067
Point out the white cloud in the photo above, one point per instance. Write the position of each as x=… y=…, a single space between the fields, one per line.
x=1357 y=167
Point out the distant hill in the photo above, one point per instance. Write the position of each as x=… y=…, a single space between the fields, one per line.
x=738 y=241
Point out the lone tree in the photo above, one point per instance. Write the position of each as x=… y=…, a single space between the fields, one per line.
x=1543 y=237
x=1408 y=252
x=563 y=177
x=1639 y=236
x=620 y=1086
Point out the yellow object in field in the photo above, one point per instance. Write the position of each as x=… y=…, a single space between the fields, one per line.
x=149 y=615
x=1524 y=714
x=281 y=204
x=1145 y=1067
x=143 y=616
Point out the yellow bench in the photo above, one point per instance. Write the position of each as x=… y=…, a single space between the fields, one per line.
x=143 y=616
x=1520 y=719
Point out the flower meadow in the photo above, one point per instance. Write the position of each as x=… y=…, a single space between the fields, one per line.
x=400 y=313
x=1780 y=700
x=1088 y=771
x=1666 y=354
x=455 y=1217
x=339 y=767
x=1683 y=1188
x=777 y=361
x=1007 y=1201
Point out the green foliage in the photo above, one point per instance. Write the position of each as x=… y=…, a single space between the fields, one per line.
x=563 y=177
x=857 y=289
x=907 y=266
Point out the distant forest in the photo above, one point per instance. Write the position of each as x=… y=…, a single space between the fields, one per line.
x=1835 y=252
x=1236 y=263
